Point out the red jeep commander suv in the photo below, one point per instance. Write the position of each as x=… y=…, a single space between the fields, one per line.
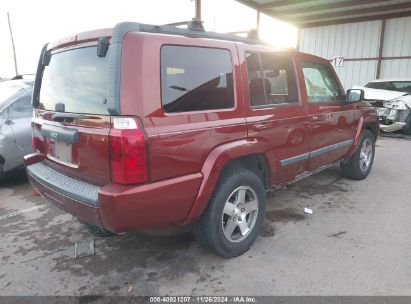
x=143 y=126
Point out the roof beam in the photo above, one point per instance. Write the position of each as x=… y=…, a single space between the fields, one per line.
x=282 y=3
x=352 y=12
x=355 y=19
x=327 y=6
x=254 y=5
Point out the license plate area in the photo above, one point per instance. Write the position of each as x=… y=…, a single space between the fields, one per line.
x=61 y=152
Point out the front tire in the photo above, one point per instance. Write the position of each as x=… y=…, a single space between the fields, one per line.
x=234 y=215
x=358 y=166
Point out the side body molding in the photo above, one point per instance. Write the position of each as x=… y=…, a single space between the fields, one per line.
x=214 y=164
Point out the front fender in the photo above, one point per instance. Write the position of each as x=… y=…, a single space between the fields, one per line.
x=215 y=162
x=365 y=121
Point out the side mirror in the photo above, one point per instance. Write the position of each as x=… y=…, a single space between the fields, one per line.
x=355 y=95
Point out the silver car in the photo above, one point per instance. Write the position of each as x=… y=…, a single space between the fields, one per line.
x=15 y=123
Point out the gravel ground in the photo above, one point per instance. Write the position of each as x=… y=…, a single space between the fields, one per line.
x=357 y=242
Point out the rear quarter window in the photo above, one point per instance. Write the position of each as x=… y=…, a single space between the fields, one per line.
x=196 y=79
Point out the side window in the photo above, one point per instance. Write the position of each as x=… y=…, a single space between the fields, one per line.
x=281 y=86
x=271 y=79
x=255 y=80
x=196 y=79
x=21 y=108
x=320 y=82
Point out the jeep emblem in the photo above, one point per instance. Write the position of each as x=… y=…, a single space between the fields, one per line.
x=54 y=135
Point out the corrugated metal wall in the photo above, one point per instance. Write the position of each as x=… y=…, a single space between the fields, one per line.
x=358 y=41
x=397 y=42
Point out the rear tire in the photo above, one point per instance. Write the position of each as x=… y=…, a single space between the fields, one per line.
x=234 y=215
x=358 y=166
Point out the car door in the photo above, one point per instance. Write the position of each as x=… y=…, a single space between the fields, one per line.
x=331 y=119
x=20 y=114
x=274 y=110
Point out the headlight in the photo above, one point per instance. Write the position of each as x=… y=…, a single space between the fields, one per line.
x=392 y=114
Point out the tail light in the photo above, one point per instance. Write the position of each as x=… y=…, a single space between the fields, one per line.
x=128 y=157
x=36 y=143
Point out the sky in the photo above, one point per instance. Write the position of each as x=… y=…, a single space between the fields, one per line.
x=36 y=22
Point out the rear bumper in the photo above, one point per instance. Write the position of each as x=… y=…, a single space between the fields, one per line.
x=115 y=207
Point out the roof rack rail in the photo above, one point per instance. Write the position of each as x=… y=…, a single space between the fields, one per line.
x=251 y=34
x=193 y=24
x=196 y=25
x=195 y=29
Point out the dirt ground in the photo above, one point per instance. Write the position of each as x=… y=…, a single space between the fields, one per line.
x=356 y=242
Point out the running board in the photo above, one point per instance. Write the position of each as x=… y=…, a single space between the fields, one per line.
x=302 y=176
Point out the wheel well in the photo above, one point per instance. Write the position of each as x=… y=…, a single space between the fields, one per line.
x=256 y=163
x=373 y=129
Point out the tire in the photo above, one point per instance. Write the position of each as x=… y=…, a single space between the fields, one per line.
x=237 y=205
x=358 y=166
x=407 y=128
x=98 y=231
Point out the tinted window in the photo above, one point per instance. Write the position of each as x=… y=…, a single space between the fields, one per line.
x=320 y=83
x=255 y=80
x=271 y=79
x=22 y=108
x=195 y=79
x=281 y=86
x=77 y=79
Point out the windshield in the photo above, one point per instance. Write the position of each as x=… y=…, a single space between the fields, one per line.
x=8 y=89
x=75 y=80
x=400 y=86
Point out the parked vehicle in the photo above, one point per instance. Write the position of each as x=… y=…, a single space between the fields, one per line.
x=145 y=126
x=392 y=99
x=16 y=112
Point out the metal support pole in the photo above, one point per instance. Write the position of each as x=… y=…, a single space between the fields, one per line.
x=12 y=43
x=258 y=21
x=198 y=9
x=380 y=49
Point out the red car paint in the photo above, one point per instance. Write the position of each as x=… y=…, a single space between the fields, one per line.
x=187 y=151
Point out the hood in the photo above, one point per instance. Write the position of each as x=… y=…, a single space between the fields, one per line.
x=400 y=103
x=377 y=94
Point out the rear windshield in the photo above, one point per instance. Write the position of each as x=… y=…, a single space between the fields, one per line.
x=75 y=81
x=400 y=86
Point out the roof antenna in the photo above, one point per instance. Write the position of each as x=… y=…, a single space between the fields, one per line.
x=196 y=24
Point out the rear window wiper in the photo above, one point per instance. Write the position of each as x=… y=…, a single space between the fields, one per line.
x=63 y=116
x=178 y=88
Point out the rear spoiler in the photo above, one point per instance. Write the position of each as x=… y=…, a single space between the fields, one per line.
x=43 y=61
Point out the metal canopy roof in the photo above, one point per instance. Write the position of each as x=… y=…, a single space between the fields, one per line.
x=311 y=13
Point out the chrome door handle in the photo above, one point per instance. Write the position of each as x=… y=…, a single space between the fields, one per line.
x=321 y=117
x=263 y=126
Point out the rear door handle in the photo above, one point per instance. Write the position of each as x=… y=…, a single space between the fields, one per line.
x=321 y=117
x=263 y=126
